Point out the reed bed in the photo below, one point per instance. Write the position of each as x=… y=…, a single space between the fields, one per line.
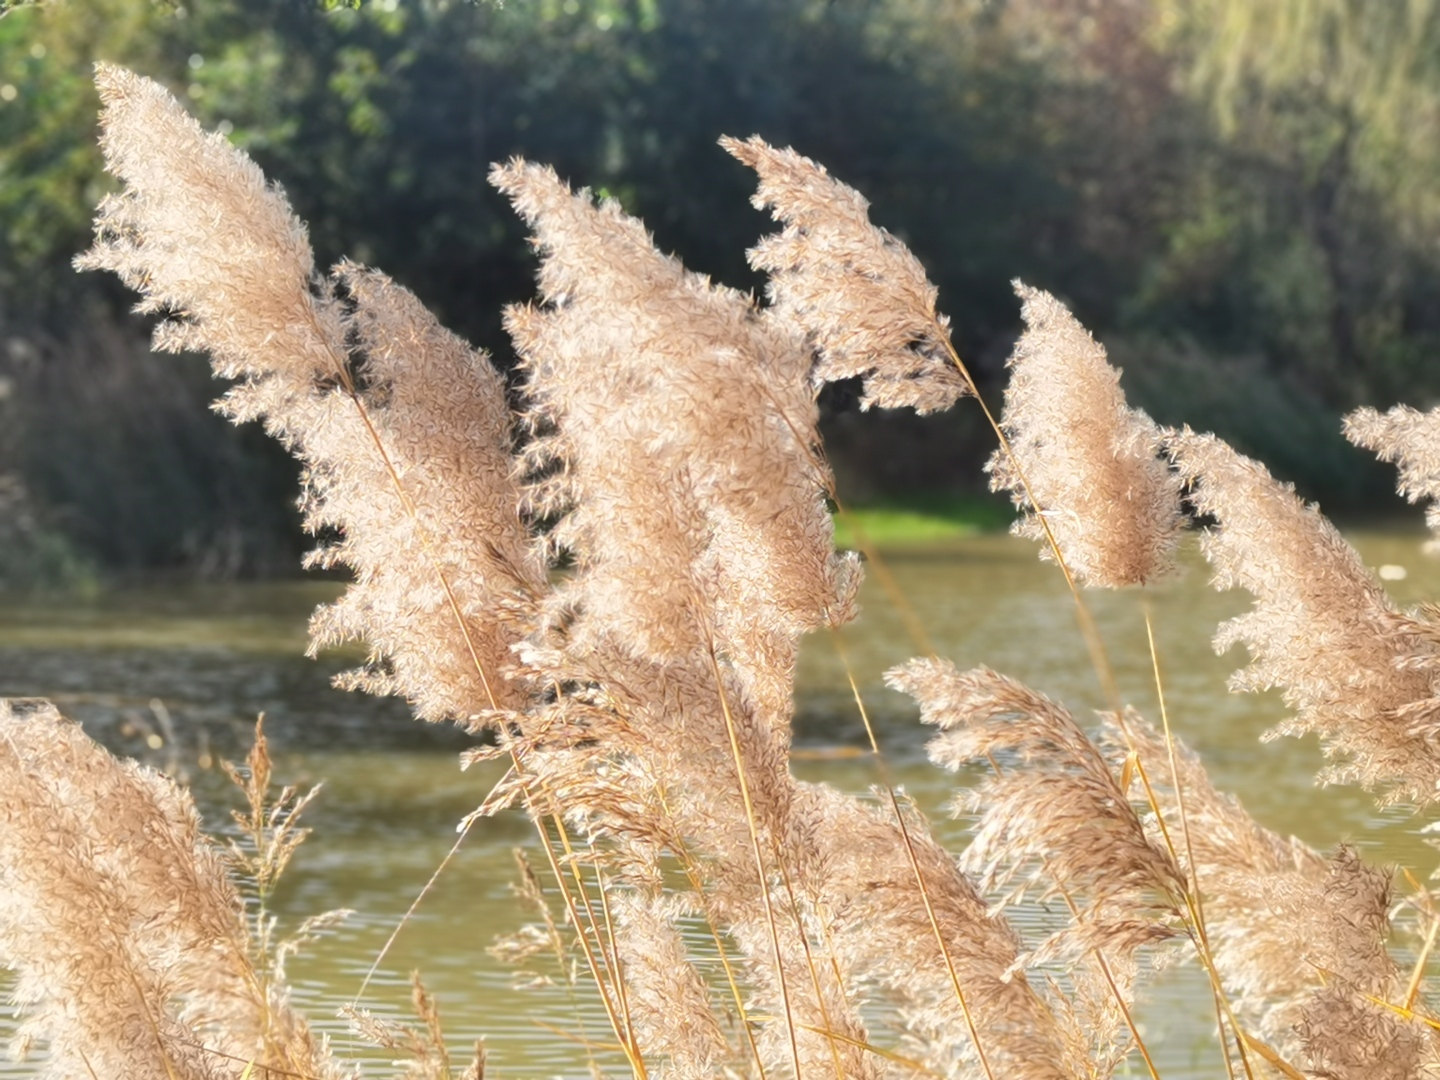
x=608 y=586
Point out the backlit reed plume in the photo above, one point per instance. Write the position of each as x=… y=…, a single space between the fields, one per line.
x=668 y=1001
x=1298 y=938
x=696 y=519
x=1052 y=816
x=677 y=435
x=1410 y=439
x=1322 y=630
x=1091 y=463
x=1052 y=819
x=854 y=289
x=402 y=428
x=128 y=937
x=885 y=934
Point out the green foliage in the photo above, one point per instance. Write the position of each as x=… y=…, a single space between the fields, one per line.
x=1254 y=179
x=920 y=519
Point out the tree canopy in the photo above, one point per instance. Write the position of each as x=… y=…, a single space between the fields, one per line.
x=1215 y=186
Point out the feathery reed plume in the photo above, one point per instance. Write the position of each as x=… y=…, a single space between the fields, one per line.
x=702 y=499
x=404 y=435
x=1411 y=440
x=1092 y=464
x=668 y=1002
x=1357 y=672
x=1052 y=814
x=1062 y=818
x=1298 y=939
x=1052 y=817
x=204 y=240
x=445 y=568
x=857 y=292
x=128 y=937
x=696 y=517
x=880 y=928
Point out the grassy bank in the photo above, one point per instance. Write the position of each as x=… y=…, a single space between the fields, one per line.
x=921 y=519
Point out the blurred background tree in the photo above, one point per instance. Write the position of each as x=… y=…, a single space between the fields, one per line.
x=1237 y=198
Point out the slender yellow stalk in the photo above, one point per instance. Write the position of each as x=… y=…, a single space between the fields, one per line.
x=619 y=968
x=1179 y=790
x=809 y=960
x=410 y=911
x=878 y=1051
x=1125 y=1011
x=692 y=874
x=637 y=1065
x=1417 y=974
x=915 y=865
x=760 y=875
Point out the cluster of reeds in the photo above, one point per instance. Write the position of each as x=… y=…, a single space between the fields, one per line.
x=613 y=582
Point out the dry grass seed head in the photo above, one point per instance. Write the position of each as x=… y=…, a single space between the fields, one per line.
x=1298 y=938
x=1322 y=630
x=852 y=288
x=880 y=926
x=446 y=570
x=1052 y=815
x=1093 y=464
x=669 y=1004
x=404 y=436
x=1411 y=440
x=201 y=235
x=696 y=512
x=122 y=923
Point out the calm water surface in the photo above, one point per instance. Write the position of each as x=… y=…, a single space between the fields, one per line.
x=177 y=676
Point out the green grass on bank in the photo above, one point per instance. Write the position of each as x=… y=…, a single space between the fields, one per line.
x=921 y=519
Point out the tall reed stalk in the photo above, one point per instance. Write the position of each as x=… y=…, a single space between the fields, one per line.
x=612 y=582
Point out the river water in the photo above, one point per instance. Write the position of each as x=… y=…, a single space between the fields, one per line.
x=178 y=675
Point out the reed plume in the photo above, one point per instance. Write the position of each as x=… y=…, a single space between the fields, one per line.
x=1410 y=439
x=1298 y=938
x=1091 y=464
x=1053 y=818
x=669 y=1002
x=697 y=509
x=852 y=288
x=1355 y=670
x=402 y=428
x=130 y=941
x=905 y=937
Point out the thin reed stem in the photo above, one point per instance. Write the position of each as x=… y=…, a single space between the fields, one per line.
x=809 y=960
x=619 y=968
x=915 y=863
x=414 y=905
x=637 y=1065
x=760 y=875
x=1194 y=875
x=692 y=874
